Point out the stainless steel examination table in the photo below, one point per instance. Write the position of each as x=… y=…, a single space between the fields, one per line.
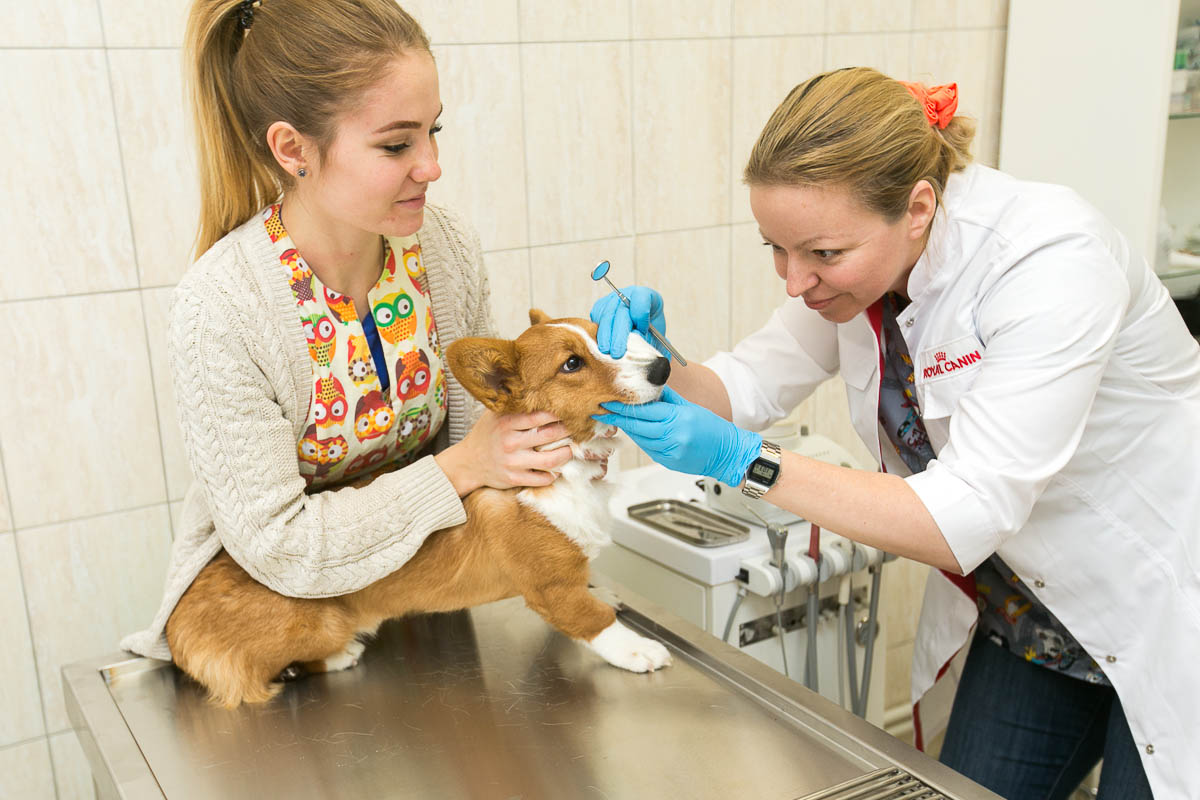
x=493 y=703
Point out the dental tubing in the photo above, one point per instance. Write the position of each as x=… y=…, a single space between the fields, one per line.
x=775 y=575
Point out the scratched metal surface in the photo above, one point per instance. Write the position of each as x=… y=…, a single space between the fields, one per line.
x=479 y=704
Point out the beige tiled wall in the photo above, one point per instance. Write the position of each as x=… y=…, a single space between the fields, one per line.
x=576 y=130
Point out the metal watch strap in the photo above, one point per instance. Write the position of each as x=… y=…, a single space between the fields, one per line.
x=771 y=453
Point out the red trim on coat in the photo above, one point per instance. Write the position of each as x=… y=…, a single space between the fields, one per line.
x=966 y=583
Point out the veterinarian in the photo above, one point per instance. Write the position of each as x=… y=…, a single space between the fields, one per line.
x=306 y=341
x=1034 y=398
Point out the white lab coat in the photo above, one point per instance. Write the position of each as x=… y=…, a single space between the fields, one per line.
x=1061 y=393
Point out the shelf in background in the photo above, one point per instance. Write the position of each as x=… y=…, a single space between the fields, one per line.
x=1179 y=273
x=1193 y=114
x=1182 y=277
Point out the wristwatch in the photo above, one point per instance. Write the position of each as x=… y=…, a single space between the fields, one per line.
x=764 y=471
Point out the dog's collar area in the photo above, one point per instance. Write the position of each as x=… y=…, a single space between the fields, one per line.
x=593 y=451
x=602 y=460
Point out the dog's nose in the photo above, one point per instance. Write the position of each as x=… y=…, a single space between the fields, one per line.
x=660 y=370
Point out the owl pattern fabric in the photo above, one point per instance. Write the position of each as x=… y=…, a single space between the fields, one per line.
x=379 y=386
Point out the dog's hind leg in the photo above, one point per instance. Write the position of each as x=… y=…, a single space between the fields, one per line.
x=235 y=636
x=345 y=658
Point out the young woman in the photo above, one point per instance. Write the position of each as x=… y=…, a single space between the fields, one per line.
x=1025 y=379
x=306 y=341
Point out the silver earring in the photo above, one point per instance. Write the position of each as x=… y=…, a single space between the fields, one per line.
x=302 y=172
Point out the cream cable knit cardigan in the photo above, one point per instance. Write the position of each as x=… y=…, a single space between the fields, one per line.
x=243 y=380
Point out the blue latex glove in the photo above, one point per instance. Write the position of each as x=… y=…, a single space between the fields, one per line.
x=615 y=321
x=686 y=437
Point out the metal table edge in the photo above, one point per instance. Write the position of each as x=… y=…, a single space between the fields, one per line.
x=780 y=694
x=119 y=769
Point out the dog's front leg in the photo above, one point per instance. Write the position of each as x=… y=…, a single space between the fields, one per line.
x=572 y=609
x=555 y=585
x=623 y=648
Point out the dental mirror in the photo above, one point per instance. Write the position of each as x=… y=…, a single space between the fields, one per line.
x=600 y=272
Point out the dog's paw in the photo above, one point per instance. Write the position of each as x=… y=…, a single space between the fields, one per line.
x=623 y=648
x=346 y=658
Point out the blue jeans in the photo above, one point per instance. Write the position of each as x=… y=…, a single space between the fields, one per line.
x=1029 y=733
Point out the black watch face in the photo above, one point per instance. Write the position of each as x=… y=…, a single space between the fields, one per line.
x=763 y=472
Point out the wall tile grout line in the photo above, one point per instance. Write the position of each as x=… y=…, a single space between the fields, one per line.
x=67 y=295
x=633 y=192
x=45 y=737
x=909 y=65
x=17 y=47
x=98 y=515
x=617 y=237
x=158 y=423
x=12 y=518
x=825 y=39
x=524 y=149
x=729 y=173
x=912 y=9
x=37 y=673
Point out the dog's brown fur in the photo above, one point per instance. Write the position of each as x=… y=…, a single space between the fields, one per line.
x=234 y=635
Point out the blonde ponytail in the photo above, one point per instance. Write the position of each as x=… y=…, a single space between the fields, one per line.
x=233 y=183
x=959 y=135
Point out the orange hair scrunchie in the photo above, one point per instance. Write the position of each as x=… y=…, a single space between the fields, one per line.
x=938 y=102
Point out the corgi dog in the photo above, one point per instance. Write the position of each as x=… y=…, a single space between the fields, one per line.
x=238 y=639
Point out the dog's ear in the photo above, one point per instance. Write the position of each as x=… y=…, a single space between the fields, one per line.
x=537 y=316
x=487 y=368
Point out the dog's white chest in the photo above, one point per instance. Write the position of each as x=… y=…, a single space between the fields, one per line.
x=576 y=504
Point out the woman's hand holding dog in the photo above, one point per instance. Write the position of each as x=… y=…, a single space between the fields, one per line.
x=500 y=452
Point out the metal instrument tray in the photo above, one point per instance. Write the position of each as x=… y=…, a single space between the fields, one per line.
x=689 y=522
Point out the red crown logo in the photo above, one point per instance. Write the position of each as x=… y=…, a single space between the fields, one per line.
x=940 y=356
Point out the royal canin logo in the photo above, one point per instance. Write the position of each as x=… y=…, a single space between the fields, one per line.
x=943 y=365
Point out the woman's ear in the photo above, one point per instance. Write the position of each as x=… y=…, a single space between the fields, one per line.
x=289 y=146
x=922 y=203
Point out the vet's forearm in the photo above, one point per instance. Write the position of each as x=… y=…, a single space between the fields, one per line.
x=700 y=385
x=874 y=508
x=877 y=509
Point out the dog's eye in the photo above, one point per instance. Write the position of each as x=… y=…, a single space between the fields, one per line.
x=572 y=364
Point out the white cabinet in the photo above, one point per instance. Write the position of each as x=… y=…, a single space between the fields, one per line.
x=1086 y=103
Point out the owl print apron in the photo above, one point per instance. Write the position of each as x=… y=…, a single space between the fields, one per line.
x=379 y=385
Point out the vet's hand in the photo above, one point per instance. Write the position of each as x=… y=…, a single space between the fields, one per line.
x=499 y=452
x=615 y=321
x=686 y=437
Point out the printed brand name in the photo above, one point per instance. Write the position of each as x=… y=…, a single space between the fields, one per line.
x=944 y=365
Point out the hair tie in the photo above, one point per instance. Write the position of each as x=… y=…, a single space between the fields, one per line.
x=938 y=102
x=246 y=14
